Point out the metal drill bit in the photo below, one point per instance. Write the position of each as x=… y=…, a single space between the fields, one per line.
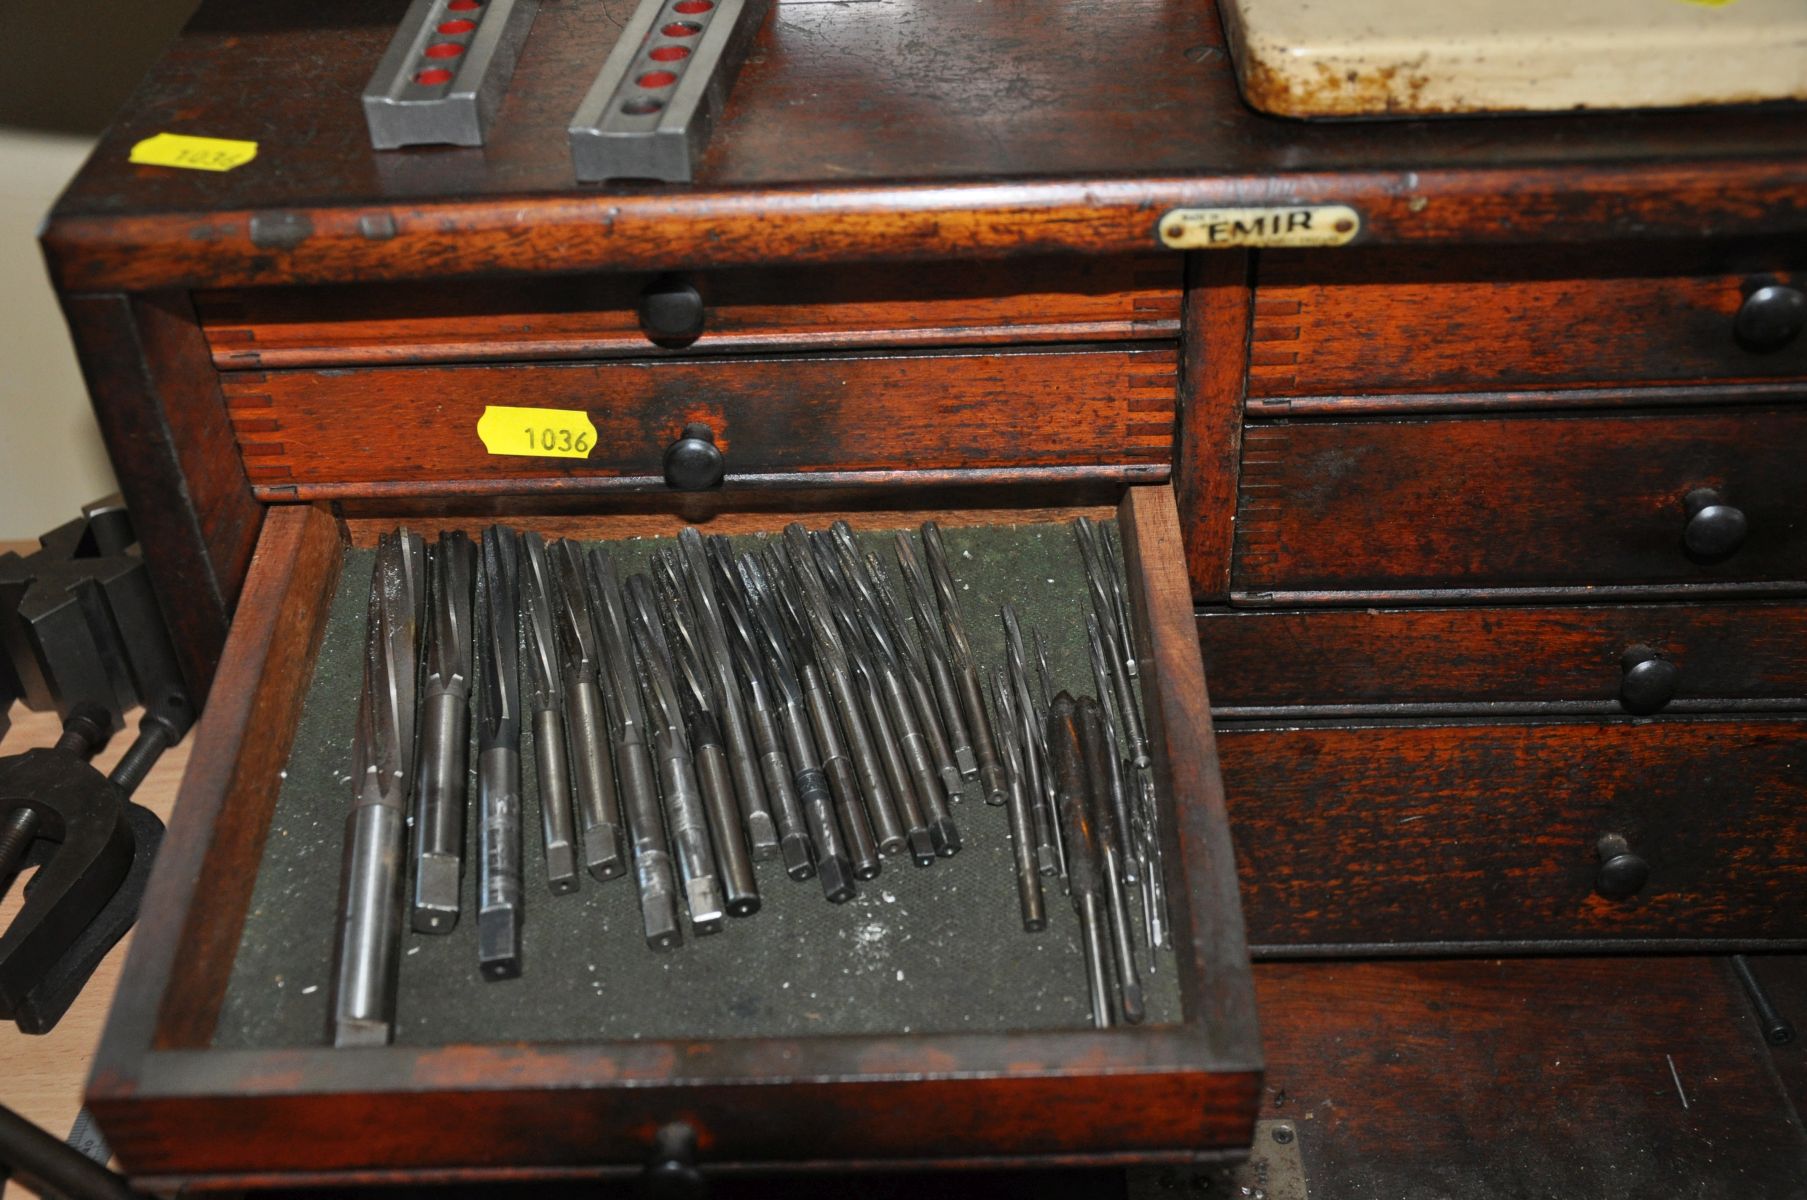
x=544 y=691
x=1155 y=876
x=916 y=669
x=445 y=714
x=801 y=684
x=597 y=806
x=1022 y=822
x=935 y=655
x=890 y=799
x=1048 y=854
x=1038 y=707
x=1101 y=672
x=901 y=743
x=825 y=667
x=966 y=671
x=639 y=795
x=918 y=716
x=499 y=894
x=762 y=717
x=1085 y=884
x=743 y=750
x=1113 y=562
x=686 y=821
x=1085 y=532
x=1110 y=852
x=714 y=782
x=376 y=831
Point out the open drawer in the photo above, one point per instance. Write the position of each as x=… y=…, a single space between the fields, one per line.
x=189 y=1090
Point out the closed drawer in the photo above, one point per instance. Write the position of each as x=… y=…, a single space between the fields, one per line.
x=1565 y=505
x=1386 y=320
x=1407 y=835
x=1401 y=661
x=414 y=429
x=948 y=303
x=217 y=1066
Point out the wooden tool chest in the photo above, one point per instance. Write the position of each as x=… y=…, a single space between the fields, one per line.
x=1417 y=498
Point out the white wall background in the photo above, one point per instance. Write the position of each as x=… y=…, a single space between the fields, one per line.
x=51 y=458
x=70 y=65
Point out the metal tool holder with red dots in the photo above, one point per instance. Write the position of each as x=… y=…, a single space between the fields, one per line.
x=649 y=113
x=445 y=71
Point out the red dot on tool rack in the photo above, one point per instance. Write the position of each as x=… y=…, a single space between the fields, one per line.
x=682 y=29
x=433 y=76
x=669 y=53
x=464 y=5
x=693 y=6
x=444 y=50
x=656 y=79
x=454 y=28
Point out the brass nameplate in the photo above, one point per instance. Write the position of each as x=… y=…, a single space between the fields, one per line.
x=1294 y=225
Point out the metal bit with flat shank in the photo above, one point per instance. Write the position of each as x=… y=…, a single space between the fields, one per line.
x=628 y=733
x=499 y=892
x=774 y=691
x=966 y=671
x=686 y=820
x=1085 y=874
x=714 y=766
x=445 y=717
x=370 y=912
x=692 y=570
x=598 y=808
x=545 y=694
x=1110 y=857
x=825 y=782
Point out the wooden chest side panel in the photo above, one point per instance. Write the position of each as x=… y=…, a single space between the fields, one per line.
x=418 y=425
x=1425 y=833
x=1504 y=502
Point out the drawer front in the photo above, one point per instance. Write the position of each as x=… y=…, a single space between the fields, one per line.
x=1415 y=834
x=1518 y=502
x=599 y=316
x=317 y=433
x=1417 y=321
x=1710 y=657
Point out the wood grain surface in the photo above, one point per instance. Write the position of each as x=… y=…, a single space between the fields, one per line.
x=862 y=131
x=43 y=1076
x=414 y=426
x=157 y=401
x=1461 y=319
x=1214 y=356
x=1403 y=833
x=1494 y=659
x=1478 y=1079
x=595 y=316
x=1516 y=501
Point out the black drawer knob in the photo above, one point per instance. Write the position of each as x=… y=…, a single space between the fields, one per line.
x=694 y=462
x=1770 y=317
x=1648 y=680
x=1715 y=529
x=671 y=311
x=1622 y=873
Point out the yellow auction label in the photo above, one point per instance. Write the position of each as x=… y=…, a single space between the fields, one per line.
x=1294 y=225
x=539 y=432
x=193 y=153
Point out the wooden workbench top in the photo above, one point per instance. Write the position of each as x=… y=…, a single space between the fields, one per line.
x=877 y=129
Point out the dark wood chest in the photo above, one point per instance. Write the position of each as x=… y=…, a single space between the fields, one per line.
x=1491 y=525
